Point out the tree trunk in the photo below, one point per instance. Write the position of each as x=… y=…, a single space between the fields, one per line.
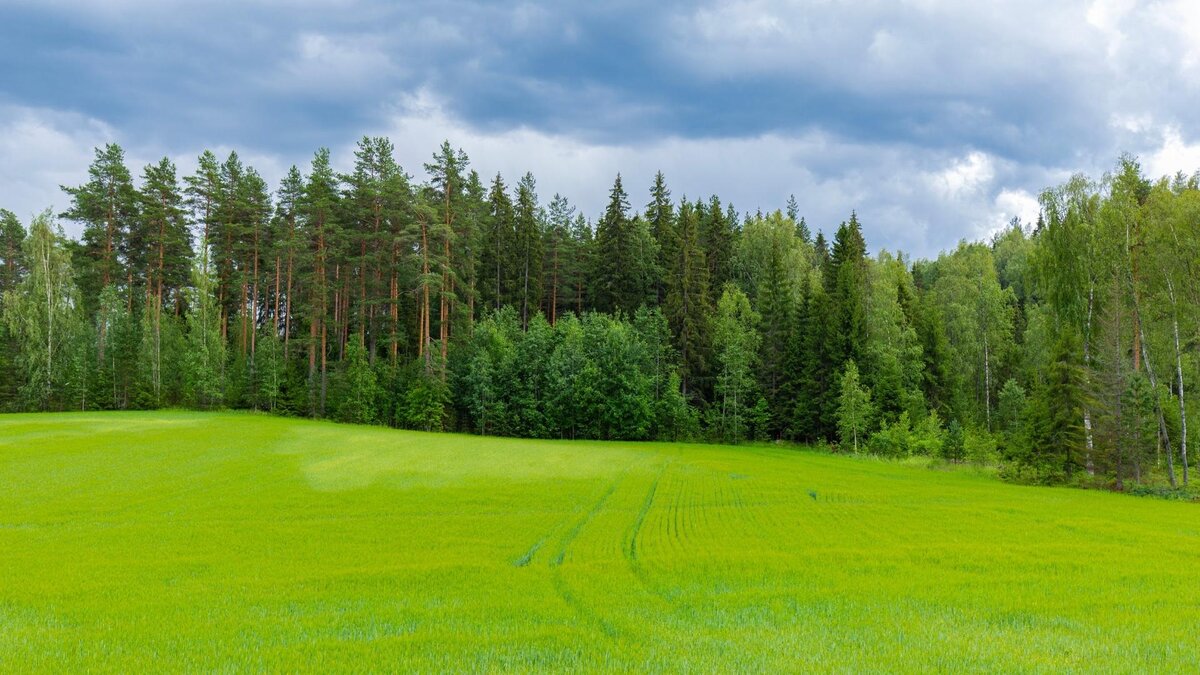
x=1163 y=434
x=987 y=383
x=287 y=305
x=1179 y=383
x=423 y=346
x=275 y=300
x=1089 y=462
x=447 y=289
x=554 y=289
x=254 y=304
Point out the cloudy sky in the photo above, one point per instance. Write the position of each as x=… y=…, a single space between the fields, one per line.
x=936 y=120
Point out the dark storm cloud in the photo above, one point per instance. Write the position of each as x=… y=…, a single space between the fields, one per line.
x=934 y=119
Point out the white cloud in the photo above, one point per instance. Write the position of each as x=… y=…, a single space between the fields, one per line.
x=965 y=177
x=42 y=149
x=1011 y=204
x=1174 y=154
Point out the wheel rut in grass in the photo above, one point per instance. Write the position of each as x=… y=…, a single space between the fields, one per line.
x=573 y=533
x=631 y=552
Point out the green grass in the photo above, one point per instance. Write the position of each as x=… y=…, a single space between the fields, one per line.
x=144 y=542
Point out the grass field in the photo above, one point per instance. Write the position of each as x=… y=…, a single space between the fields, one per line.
x=145 y=542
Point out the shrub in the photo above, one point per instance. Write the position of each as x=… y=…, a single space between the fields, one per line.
x=928 y=437
x=893 y=440
x=979 y=447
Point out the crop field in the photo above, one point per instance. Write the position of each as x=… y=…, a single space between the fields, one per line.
x=176 y=541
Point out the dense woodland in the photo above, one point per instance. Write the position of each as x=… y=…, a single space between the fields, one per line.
x=1059 y=351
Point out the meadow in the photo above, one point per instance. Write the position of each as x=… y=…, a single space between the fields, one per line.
x=229 y=542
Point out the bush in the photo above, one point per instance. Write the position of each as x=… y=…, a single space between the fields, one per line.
x=424 y=406
x=894 y=440
x=952 y=445
x=928 y=437
x=1163 y=492
x=1031 y=474
x=980 y=447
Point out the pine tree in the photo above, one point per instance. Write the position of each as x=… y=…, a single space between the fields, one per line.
x=447 y=187
x=559 y=254
x=270 y=368
x=529 y=247
x=107 y=207
x=376 y=198
x=471 y=232
x=499 y=241
x=289 y=251
x=321 y=229
x=168 y=246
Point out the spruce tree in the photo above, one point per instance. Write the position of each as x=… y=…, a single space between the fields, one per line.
x=614 y=252
x=688 y=303
x=660 y=214
x=717 y=234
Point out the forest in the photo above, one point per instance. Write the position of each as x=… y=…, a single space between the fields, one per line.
x=1060 y=351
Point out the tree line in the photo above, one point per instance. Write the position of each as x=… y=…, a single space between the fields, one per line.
x=1062 y=349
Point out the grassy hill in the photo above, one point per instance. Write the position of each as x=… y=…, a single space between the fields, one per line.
x=188 y=541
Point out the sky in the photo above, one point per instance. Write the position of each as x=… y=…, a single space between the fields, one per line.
x=934 y=120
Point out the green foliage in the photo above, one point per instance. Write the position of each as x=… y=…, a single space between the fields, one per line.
x=1057 y=425
x=626 y=275
x=736 y=343
x=688 y=304
x=205 y=361
x=269 y=370
x=954 y=444
x=854 y=409
x=41 y=314
x=535 y=326
x=1011 y=428
x=979 y=447
x=425 y=405
x=358 y=390
x=928 y=437
x=1138 y=437
x=902 y=439
x=893 y=440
